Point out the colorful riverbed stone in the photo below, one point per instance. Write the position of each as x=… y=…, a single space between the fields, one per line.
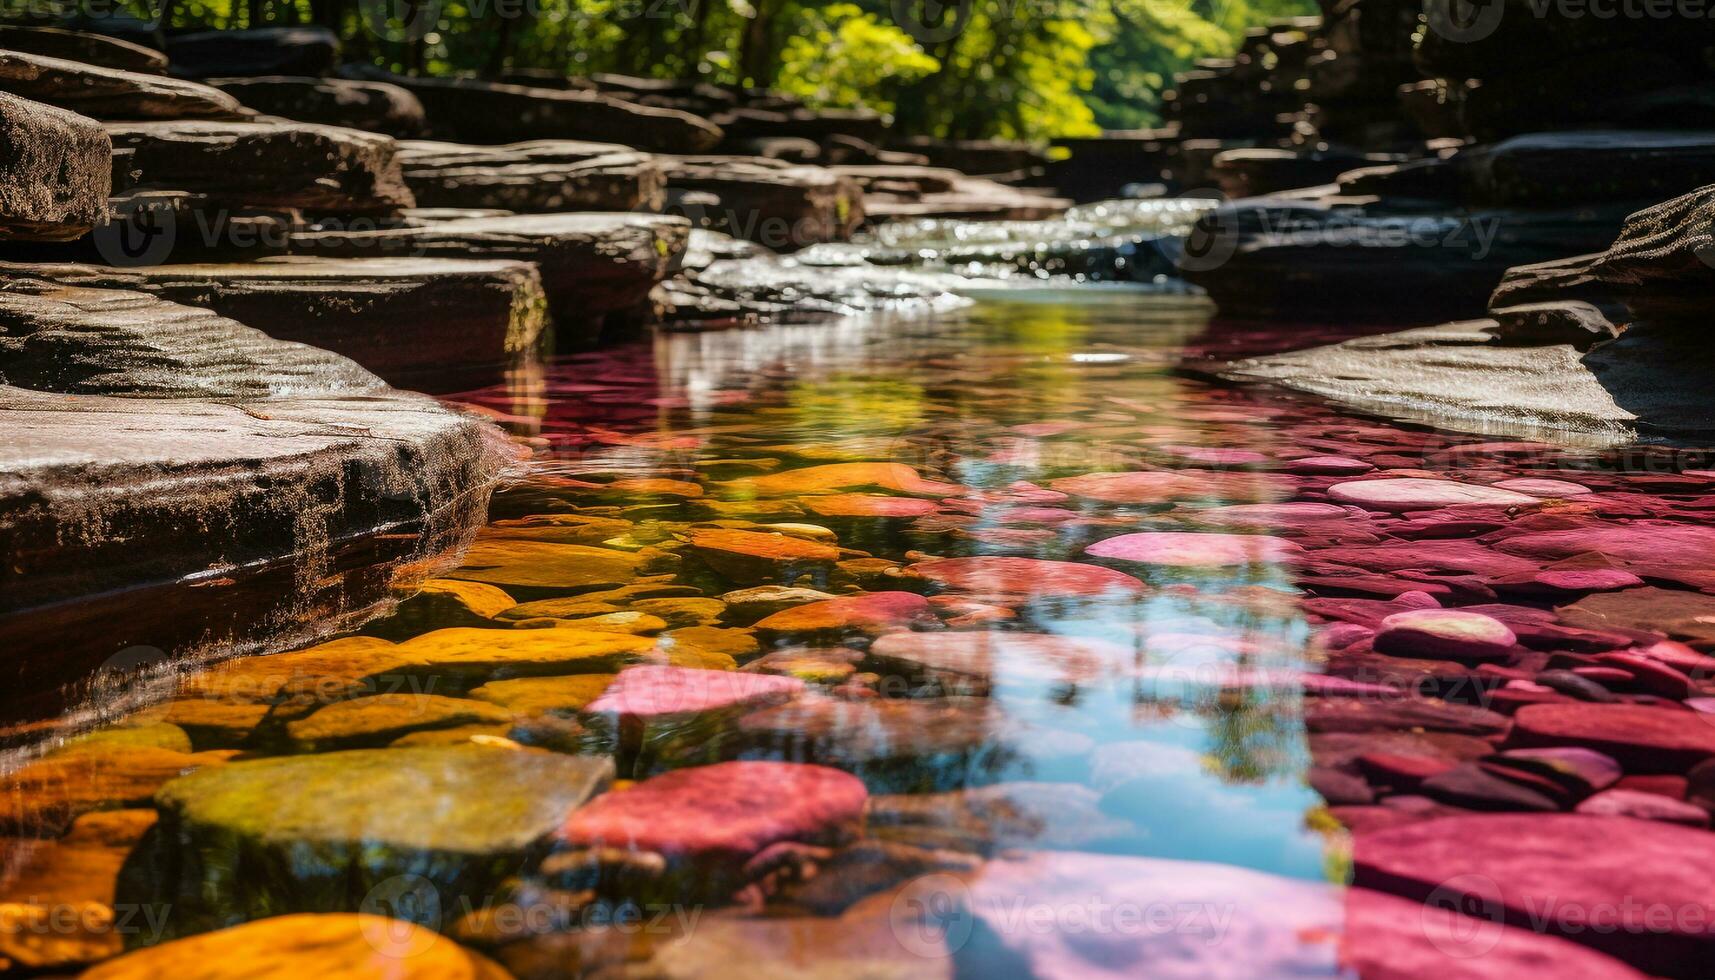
x=540 y=569
x=1269 y=926
x=1402 y=494
x=868 y=505
x=845 y=476
x=750 y=557
x=647 y=692
x=337 y=947
x=460 y=817
x=1006 y=579
x=1159 y=487
x=1635 y=890
x=1387 y=936
x=709 y=821
x=1643 y=739
x=1186 y=549
x=378 y=720
x=869 y=613
x=1445 y=633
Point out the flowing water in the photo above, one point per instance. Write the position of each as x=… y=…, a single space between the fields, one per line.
x=1009 y=686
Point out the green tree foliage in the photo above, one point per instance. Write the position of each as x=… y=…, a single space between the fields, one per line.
x=1027 y=69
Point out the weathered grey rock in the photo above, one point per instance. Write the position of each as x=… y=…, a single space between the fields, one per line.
x=594 y=266
x=130 y=419
x=55 y=171
x=1571 y=322
x=777 y=204
x=535 y=177
x=429 y=324
x=298 y=165
x=111 y=94
x=317 y=833
x=259 y=51
x=373 y=106
x=1652 y=380
x=79 y=46
x=470 y=111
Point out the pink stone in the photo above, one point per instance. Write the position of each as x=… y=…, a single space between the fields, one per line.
x=1025 y=578
x=1328 y=466
x=868 y=505
x=1186 y=549
x=988 y=656
x=1649 y=675
x=1544 y=488
x=1645 y=542
x=1642 y=739
x=874 y=611
x=1644 y=806
x=1591 y=580
x=1444 y=633
x=722 y=813
x=1411 y=493
x=650 y=691
x=1270 y=926
x=1679 y=656
x=1647 y=883
x=1579 y=771
x=1389 y=938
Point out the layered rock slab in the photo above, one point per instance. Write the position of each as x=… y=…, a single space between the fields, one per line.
x=428 y=324
x=536 y=177
x=55 y=172
x=593 y=265
x=375 y=107
x=111 y=94
x=83 y=47
x=283 y=165
x=130 y=418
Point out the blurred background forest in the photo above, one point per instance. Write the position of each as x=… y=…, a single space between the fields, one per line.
x=1020 y=69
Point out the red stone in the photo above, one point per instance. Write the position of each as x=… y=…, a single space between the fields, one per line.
x=1644 y=806
x=649 y=691
x=1390 y=938
x=874 y=611
x=724 y=813
x=1410 y=493
x=1643 y=740
x=1327 y=466
x=1645 y=884
x=1025 y=578
x=867 y=505
x=1162 y=487
x=1184 y=549
x=1445 y=633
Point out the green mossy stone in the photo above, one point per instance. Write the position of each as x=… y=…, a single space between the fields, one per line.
x=331 y=832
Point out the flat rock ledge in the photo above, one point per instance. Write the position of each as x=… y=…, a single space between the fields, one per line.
x=434 y=325
x=291 y=165
x=165 y=466
x=541 y=176
x=55 y=171
x=110 y=93
x=598 y=268
x=1607 y=346
x=376 y=107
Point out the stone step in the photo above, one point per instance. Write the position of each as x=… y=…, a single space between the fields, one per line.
x=129 y=419
x=111 y=94
x=90 y=49
x=777 y=204
x=598 y=268
x=535 y=177
x=430 y=324
x=57 y=168
x=294 y=165
x=373 y=106
x=471 y=111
